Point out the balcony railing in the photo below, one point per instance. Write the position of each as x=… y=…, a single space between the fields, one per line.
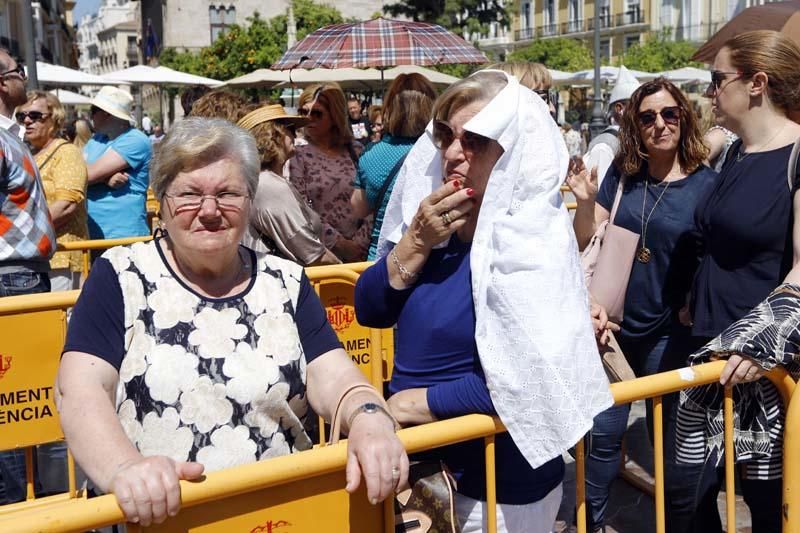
x=580 y=26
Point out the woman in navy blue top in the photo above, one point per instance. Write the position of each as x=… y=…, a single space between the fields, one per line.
x=426 y=285
x=746 y=221
x=658 y=199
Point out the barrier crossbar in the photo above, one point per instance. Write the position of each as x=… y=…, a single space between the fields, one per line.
x=80 y=514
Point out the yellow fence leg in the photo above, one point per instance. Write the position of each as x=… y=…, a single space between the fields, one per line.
x=580 y=486
x=658 y=462
x=730 y=487
x=491 y=487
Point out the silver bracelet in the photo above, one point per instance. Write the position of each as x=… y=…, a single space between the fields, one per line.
x=405 y=274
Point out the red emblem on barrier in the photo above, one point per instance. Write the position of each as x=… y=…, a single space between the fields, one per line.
x=5 y=365
x=270 y=526
x=340 y=316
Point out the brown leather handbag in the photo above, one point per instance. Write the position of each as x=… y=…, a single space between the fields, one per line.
x=428 y=504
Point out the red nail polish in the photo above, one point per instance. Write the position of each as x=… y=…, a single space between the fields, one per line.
x=470 y=192
x=456 y=184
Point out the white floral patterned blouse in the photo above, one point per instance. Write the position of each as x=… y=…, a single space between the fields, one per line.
x=218 y=381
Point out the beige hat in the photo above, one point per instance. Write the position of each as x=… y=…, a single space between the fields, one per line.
x=115 y=102
x=267 y=113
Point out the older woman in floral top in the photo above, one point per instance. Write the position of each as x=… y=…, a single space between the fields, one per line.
x=323 y=171
x=192 y=352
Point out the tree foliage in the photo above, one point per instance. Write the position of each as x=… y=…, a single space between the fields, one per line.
x=659 y=53
x=471 y=16
x=257 y=44
x=559 y=54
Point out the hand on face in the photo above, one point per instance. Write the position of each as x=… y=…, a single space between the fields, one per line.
x=441 y=214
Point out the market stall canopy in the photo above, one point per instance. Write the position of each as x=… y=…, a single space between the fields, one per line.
x=142 y=74
x=438 y=79
x=379 y=42
x=71 y=98
x=262 y=77
x=779 y=16
x=59 y=75
x=607 y=73
x=687 y=75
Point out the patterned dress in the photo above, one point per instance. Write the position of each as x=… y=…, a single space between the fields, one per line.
x=326 y=183
x=219 y=381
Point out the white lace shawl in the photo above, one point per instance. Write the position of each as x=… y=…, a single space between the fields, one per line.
x=533 y=331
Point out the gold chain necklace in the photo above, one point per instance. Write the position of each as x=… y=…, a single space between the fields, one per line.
x=644 y=255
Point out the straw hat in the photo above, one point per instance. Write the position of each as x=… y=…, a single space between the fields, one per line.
x=115 y=102
x=626 y=84
x=267 y=113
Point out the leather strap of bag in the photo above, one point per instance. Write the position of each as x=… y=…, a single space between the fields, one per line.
x=336 y=420
x=792 y=171
x=617 y=198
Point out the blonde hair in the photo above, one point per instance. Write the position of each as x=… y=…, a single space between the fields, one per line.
x=774 y=54
x=83 y=132
x=269 y=137
x=534 y=76
x=408 y=105
x=54 y=107
x=480 y=87
x=332 y=98
x=194 y=142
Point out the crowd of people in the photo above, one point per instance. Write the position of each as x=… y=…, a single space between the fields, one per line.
x=207 y=347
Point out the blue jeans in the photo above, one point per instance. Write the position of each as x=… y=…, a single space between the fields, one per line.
x=647 y=356
x=12 y=462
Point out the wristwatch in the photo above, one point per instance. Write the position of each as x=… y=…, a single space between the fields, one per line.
x=369 y=408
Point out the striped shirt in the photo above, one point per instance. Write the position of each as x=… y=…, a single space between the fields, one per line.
x=27 y=237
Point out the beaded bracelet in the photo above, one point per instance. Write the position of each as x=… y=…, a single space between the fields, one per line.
x=405 y=274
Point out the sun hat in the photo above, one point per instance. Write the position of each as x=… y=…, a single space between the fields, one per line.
x=115 y=102
x=626 y=84
x=268 y=113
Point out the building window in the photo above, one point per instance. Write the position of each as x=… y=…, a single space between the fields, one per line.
x=605 y=48
x=526 y=15
x=219 y=18
x=605 y=14
x=549 y=17
x=630 y=40
x=575 y=15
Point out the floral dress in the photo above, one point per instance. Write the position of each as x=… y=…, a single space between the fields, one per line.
x=218 y=381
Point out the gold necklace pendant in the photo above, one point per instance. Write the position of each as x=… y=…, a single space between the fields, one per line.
x=643 y=255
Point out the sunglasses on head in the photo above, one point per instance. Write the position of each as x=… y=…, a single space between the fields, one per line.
x=443 y=137
x=670 y=115
x=35 y=116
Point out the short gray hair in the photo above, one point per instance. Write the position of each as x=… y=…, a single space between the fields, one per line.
x=195 y=142
x=480 y=87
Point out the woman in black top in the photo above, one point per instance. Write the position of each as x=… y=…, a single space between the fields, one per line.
x=746 y=222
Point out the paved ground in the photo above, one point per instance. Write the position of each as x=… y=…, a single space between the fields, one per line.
x=630 y=510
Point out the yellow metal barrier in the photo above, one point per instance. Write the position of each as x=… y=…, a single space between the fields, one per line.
x=304 y=492
x=100 y=244
x=791 y=467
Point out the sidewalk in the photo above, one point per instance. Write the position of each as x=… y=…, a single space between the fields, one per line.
x=630 y=510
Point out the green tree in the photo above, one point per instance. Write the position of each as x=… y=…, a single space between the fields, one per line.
x=559 y=54
x=659 y=53
x=472 y=16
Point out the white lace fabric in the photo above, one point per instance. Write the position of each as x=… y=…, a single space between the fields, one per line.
x=533 y=331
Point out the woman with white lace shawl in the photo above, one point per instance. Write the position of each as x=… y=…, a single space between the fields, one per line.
x=483 y=280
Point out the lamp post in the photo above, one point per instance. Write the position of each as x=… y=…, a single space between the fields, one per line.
x=30 y=45
x=598 y=122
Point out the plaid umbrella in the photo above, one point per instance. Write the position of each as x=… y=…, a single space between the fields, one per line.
x=379 y=43
x=779 y=16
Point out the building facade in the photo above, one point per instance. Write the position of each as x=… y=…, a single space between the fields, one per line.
x=117 y=47
x=110 y=14
x=52 y=25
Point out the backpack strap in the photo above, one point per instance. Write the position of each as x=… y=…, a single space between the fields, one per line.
x=793 y=171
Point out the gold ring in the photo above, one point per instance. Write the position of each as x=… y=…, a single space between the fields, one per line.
x=446 y=218
x=395 y=472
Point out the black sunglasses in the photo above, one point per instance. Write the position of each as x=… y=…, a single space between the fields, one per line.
x=314 y=114
x=718 y=76
x=670 y=115
x=19 y=69
x=471 y=143
x=35 y=116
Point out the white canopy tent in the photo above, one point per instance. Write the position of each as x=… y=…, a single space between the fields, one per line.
x=688 y=75
x=58 y=75
x=607 y=74
x=70 y=98
x=144 y=75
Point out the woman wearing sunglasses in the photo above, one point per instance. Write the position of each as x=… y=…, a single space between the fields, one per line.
x=281 y=222
x=749 y=225
x=64 y=178
x=661 y=160
x=323 y=171
x=478 y=268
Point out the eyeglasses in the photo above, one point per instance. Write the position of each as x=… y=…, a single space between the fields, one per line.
x=35 y=116
x=719 y=76
x=471 y=143
x=19 y=69
x=190 y=201
x=314 y=114
x=670 y=115
x=550 y=96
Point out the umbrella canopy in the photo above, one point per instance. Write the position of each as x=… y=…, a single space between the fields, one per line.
x=142 y=74
x=779 y=16
x=688 y=75
x=348 y=78
x=607 y=73
x=379 y=43
x=57 y=75
x=262 y=77
x=70 y=98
